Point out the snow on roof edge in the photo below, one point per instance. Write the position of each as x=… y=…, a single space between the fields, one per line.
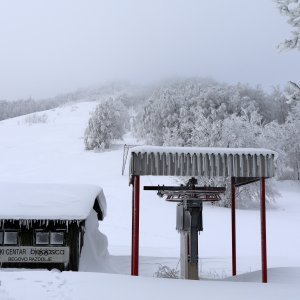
x=203 y=150
x=39 y=201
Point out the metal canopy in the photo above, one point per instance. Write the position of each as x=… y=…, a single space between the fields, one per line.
x=210 y=162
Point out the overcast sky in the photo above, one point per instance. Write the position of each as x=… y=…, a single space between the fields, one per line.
x=50 y=47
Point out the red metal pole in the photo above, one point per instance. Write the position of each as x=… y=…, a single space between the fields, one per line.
x=233 y=230
x=263 y=230
x=132 y=223
x=135 y=226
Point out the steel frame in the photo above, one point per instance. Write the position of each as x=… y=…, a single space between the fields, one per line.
x=235 y=182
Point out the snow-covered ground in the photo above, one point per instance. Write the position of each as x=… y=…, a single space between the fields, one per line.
x=54 y=152
x=71 y=285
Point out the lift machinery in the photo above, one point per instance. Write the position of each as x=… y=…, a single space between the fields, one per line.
x=189 y=220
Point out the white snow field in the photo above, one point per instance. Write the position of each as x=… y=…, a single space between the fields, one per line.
x=53 y=152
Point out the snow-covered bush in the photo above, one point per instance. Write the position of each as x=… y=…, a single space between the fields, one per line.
x=107 y=123
x=166 y=272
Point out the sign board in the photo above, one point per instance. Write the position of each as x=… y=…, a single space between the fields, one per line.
x=30 y=254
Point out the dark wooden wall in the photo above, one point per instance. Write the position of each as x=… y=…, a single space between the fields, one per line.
x=74 y=233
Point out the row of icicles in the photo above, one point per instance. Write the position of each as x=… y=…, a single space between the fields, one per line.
x=28 y=223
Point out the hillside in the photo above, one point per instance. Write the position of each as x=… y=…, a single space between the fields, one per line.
x=53 y=151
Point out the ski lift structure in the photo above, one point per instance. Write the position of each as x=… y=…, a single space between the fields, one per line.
x=243 y=165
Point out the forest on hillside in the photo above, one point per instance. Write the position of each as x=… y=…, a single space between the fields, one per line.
x=205 y=113
x=189 y=112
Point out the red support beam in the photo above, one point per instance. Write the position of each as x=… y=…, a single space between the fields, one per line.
x=233 y=230
x=132 y=222
x=135 y=225
x=263 y=230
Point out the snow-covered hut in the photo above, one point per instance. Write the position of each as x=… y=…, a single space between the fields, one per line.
x=43 y=225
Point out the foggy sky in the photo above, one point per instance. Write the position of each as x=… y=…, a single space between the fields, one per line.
x=51 y=47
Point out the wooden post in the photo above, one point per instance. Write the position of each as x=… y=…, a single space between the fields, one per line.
x=233 y=226
x=263 y=230
x=135 y=226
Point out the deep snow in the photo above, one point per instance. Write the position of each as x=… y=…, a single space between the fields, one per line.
x=82 y=286
x=27 y=201
x=54 y=152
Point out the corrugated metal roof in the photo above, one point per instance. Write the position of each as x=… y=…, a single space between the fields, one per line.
x=211 y=162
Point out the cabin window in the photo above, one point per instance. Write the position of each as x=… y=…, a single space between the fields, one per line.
x=10 y=237
x=41 y=238
x=57 y=238
x=49 y=237
x=1 y=237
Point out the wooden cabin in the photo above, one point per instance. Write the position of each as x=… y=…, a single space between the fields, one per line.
x=43 y=225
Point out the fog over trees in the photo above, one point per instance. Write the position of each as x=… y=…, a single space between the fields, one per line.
x=190 y=112
x=205 y=113
x=11 y=109
x=196 y=112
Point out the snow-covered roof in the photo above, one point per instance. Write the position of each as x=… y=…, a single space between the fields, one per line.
x=26 y=201
x=205 y=161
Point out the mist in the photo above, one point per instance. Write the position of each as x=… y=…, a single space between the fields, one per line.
x=53 y=47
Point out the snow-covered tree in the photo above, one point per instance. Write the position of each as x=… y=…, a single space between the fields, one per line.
x=292 y=138
x=292 y=93
x=291 y=10
x=190 y=113
x=242 y=131
x=107 y=123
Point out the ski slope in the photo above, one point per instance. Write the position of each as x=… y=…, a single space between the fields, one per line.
x=53 y=152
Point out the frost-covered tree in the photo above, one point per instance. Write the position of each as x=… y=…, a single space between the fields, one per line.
x=190 y=113
x=280 y=107
x=108 y=122
x=291 y=10
x=292 y=138
x=292 y=93
x=159 y=115
x=242 y=131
